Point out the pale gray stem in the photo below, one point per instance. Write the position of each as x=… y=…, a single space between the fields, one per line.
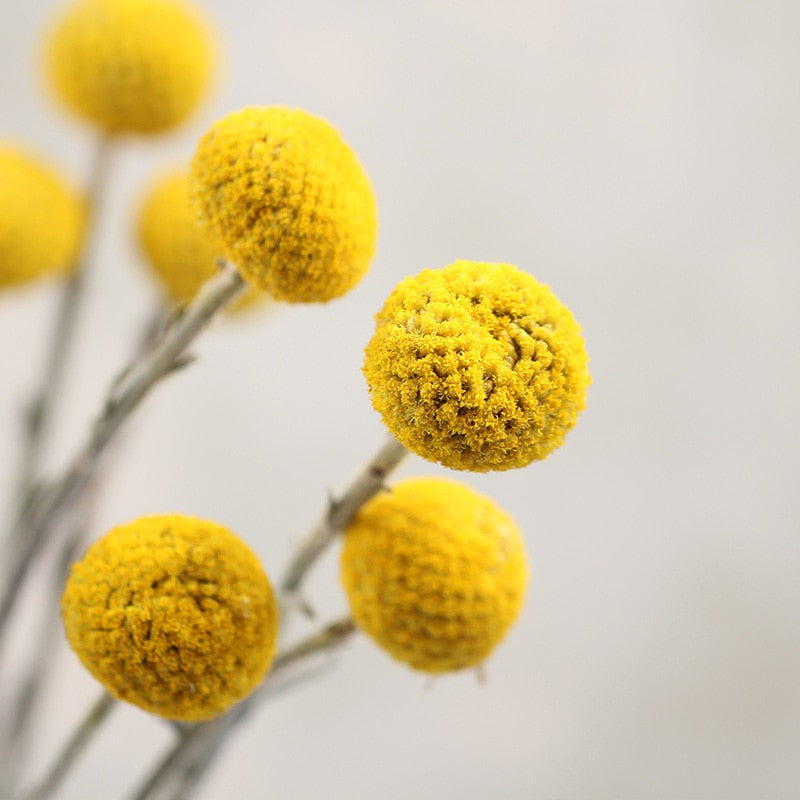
x=337 y=516
x=72 y=748
x=37 y=518
x=189 y=758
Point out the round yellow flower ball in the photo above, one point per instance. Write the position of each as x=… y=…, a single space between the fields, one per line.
x=130 y=66
x=290 y=201
x=173 y=614
x=435 y=573
x=41 y=219
x=180 y=253
x=477 y=366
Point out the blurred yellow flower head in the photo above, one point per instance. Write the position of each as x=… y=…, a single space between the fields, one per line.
x=477 y=366
x=434 y=572
x=289 y=200
x=130 y=66
x=41 y=219
x=180 y=253
x=173 y=614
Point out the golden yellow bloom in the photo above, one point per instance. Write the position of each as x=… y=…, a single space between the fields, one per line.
x=181 y=254
x=477 y=366
x=435 y=573
x=130 y=66
x=290 y=201
x=41 y=219
x=173 y=614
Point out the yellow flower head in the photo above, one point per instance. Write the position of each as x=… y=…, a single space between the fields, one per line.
x=435 y=573
x=289 y=200
x=477 y=366
x=130 y=66
x=180 y=253
x=41 y=220
x=173 y=614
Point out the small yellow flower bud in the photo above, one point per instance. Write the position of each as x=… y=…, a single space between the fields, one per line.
x=477 y=366
x=434 y=572
x=289 y=200
x=130 y=66
x=173 y=614
x=41 y=220
x=181 y=254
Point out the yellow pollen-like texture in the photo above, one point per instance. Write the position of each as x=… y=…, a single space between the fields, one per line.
x=180 y=253
x=477 y=366
x=41 y=219
x=173 y=614
x=435 y=573
x=130 y=66
x=289 y=200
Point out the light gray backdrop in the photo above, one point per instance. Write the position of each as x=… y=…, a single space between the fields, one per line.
x=642 y=158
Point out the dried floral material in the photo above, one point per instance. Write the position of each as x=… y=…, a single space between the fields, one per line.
x=41 y=219
x=173 y=614
x=181 y=254
x=435 y=573
x=130 y=66
x=290 y=201
x=477 y=366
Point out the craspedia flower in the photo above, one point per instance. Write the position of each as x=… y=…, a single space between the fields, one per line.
x=41 y=219
x=289 y=200
x=173 y=614
x=434 y=572
x=180 y=253
x=477 y=366
x=130 y=66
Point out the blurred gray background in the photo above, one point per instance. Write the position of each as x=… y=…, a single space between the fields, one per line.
x=643 y=159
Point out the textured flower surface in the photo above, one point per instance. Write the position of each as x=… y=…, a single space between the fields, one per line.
x=173 y=614
x=434 y=572
x=41 y=219
x=130 y=66
x=290 y=201
x=477 y=366
x=181 y=254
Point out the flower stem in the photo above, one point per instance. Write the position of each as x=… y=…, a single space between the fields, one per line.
x=367 y=483
x=167 y=355
x=73 y=748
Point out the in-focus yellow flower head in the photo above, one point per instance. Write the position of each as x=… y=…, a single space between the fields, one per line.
x=130 y=66
x=173 y=614
x=434 y=572
x=41 y=219
x=290 y=201
x=181 y=254
x=477 y=366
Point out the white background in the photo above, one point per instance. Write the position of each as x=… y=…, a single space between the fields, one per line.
x=642 y=158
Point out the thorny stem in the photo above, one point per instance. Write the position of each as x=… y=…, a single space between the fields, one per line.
x=181 y=765
x=338 y=514
x=40 y=409
x=36 y=519
x=73 y=748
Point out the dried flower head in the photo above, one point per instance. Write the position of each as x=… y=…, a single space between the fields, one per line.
x=434 y=572
x=290 y=201
x=181 y=254
x=173 y=614
x=41 y=219
x=130 y=66
x=477 y=366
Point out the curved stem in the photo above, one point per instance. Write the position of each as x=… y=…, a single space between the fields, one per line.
x=72 y=748
x=37 y=518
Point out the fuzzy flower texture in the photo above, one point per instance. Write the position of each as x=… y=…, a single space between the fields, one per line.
x=173 y=614
x=129 y=66
x=41 y=220
x=477 y=366
x=289 y=200
x=435 y=573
